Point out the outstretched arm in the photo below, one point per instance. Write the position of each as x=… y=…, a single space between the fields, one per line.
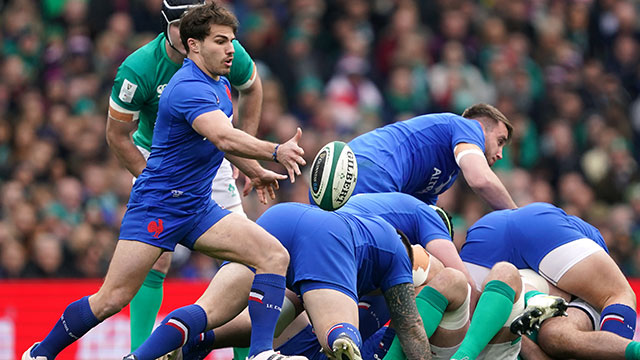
x=481 y=178
x=405 y=319
x=216 y=127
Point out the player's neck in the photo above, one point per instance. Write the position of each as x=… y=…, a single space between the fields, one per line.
x=197 y=59
x=174 y=54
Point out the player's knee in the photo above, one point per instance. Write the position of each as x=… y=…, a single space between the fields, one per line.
x=452 y=284
x=506 y=273
x=273 y=258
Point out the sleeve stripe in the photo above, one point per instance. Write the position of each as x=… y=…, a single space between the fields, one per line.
x=248 y=83
x=119 y=113
x=467 y=152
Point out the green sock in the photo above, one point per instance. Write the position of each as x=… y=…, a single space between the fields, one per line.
x=431 y=306
x=492 y=311
x=240 y=353
x=632 y=352
x=144 y=308
x=529 y=294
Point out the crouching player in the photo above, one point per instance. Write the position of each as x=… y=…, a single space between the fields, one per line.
x=565 y=250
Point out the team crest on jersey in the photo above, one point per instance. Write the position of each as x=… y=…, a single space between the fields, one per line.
x=127 y=90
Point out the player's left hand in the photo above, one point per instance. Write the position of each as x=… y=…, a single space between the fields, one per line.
x=265 y=183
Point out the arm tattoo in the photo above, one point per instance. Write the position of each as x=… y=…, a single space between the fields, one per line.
x=406 y=320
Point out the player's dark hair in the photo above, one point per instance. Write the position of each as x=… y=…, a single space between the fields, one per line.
x=446 y=218
x=407 y=244
x=487 y=111
x=196 y=23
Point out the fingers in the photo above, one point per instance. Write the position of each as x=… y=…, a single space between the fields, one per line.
x=236 y=173
x=298 y=135
x=292 y=174
x=247 y=187
x=261 y=197
x=272 y=192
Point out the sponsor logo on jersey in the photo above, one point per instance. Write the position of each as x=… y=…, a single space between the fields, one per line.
x=155 y=227
x=433 y=180
x=160 y=89
x=127 y=90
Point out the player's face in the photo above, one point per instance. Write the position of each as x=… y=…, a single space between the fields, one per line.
x=217 y=50
x=495 y=140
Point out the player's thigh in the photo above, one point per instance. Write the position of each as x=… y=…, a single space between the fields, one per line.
x=129 y=266
x=328 y=307
x=238 y=239
x=227 y=294
x=598 y=280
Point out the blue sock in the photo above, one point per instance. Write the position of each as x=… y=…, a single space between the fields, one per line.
x=619 y=319
x=76 y=320
x=377 y=345
x=265 y=303
x=199 y=347
x=346 y=329
x=175 y=330
x=372 y=314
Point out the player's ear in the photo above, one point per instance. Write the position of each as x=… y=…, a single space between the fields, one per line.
x=194 y=45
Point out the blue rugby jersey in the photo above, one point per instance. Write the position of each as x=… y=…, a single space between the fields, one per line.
x=183 y=163
x=413 y=217
x=414 y=156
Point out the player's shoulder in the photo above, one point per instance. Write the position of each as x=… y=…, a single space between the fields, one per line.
x=145 y=58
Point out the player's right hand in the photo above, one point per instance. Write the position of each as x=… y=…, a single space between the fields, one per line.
x=290 y=155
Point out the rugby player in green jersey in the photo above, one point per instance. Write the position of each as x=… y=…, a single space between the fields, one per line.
x=133 y=105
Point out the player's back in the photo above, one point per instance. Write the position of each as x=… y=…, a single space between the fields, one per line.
x=413 y=217
x=183 y=163
x=375 y=248
x=524 y=236
x=417 y=154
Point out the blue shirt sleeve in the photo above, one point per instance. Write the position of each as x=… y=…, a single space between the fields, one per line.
x=466 y=131
x=190 y=99
x=431 y=225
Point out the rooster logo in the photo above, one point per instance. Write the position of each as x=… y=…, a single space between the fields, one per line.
x=155 y=228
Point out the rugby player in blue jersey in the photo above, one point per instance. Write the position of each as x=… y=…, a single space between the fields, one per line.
x=565 y=250
x=422 y=156
x=171 y=202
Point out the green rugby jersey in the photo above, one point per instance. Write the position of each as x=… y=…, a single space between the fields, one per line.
x=142 y=77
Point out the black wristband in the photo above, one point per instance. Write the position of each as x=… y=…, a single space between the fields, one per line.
x=274 y=156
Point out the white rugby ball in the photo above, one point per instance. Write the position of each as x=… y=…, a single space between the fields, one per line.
x=334 y=173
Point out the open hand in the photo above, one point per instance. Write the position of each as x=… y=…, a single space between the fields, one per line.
x=290 y=155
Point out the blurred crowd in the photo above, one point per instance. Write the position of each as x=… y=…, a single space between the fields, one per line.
x=566 y=73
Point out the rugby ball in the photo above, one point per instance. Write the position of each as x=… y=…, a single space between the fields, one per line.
x=333 y=177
